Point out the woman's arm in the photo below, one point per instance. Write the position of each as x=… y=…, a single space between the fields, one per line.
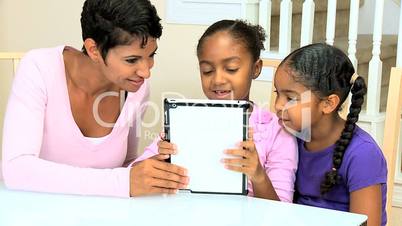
x=368 y=201
x=23 y=168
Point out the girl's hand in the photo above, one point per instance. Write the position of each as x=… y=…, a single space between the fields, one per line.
x=165 y=148
x=246 y=161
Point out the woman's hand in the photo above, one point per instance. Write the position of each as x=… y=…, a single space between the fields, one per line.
x=152 y=176
x=246 y=160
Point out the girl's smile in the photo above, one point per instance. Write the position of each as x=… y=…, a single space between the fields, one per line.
x=226 y=68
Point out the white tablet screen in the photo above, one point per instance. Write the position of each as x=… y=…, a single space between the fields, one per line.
x=201 y=135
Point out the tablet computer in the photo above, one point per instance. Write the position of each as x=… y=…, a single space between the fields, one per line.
x=202 y=130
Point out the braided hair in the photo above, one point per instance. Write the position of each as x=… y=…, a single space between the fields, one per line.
x=252 y=36
x=327 y=70
x=118 y=22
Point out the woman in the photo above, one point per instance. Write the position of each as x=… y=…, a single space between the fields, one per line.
x=71 y=124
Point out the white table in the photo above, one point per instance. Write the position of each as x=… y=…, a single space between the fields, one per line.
x=31 y=209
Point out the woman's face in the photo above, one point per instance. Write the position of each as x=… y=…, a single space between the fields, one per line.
x=226 y=68
x=128 y=66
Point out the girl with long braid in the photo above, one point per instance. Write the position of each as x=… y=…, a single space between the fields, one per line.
x=340 y=165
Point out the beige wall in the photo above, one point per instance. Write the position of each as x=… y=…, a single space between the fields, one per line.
x=49 y=23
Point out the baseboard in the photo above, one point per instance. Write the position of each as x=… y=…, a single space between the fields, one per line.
x=397 y=197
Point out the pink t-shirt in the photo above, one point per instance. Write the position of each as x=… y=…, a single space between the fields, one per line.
x=43 y=148
x=276 y=148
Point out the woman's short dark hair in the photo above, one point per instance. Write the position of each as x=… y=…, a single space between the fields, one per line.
x=118 y=22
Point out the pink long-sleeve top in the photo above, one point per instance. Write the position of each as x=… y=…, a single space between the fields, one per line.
x=276 y=149
x=43 y=148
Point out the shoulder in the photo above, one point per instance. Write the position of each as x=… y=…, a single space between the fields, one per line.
x=43 y=55
x=268 y=130
x=363 y=146
x=264 y=121
x=363 y=136
x=36 y=67
x=263 y=117
x=42 y=63
x=364 y=162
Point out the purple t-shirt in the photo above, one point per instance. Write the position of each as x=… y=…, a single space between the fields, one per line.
x=363 y=165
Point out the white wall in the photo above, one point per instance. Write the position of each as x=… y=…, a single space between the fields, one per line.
x=27 y=24
x=391 y=17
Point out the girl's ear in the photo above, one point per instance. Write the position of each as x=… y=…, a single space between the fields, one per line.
x=92 y=50
x=257 y=69
x=330 y=104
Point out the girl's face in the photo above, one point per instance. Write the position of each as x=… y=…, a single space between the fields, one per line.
x=297 y=107
x=128 y=66
x=226 y=68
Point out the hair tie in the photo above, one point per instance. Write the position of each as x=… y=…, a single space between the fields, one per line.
x=353 y=79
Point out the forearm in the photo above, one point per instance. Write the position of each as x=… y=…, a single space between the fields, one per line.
x=372 y=207
x=264 y=189
x=34 y=174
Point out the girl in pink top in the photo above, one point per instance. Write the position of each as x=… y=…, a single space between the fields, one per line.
x=229 y=59
x=65 y=130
